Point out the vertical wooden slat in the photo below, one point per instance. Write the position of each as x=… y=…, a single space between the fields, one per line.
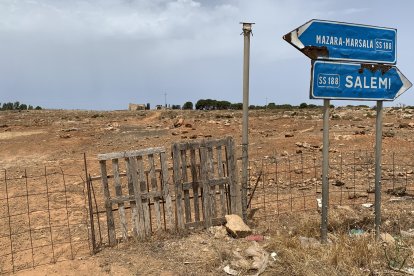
x=165 y=189
x=154 y=188
x=177 y=186
x=194 y=176
x=212 y=191
x=133 y=171
x=118 y=192
x=143 y=188
x=108 y=204
x=206 y=189
x=132 y=203
x=184 y=178
x=235 y=193
x=220 y=173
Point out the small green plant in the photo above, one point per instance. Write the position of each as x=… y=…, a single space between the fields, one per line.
x=396 y=255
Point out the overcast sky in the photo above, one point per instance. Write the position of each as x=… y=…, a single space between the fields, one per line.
x=103 y=54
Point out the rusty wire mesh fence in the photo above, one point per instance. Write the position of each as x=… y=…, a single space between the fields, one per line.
x=293 y=183
x=43 y=218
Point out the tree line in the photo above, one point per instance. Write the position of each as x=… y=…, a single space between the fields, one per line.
x=209 y=104
x=17 y=106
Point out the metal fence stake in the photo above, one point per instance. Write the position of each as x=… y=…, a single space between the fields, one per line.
x=378 y=150
x=325 y=168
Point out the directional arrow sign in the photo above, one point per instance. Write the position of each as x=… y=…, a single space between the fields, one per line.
x=350 y=81
x=320 y=39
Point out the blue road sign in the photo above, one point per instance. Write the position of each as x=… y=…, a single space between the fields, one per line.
x=319 y=39
x=350 y=81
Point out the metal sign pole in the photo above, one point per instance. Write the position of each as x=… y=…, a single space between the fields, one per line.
x=325 y=172
x=378 y=150
x=247 y=29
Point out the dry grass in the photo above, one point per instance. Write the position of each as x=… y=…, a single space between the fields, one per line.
x=344 y=254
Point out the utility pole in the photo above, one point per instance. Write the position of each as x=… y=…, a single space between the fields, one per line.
x=165 y=100
x=247 y=30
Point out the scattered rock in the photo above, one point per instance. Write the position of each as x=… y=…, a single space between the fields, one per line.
x=371 y=190
x=359 y=132
x=175 y=133
x=219 y=232
x=388 y=124
x=65 y=136
x=4 y=126
x=403 y=125
x=289 y=135
x=407 y=234
x=260 y=258
x=70 y=129
x=109 y=128
x=367 y=205
x=387 y=238
x=397 y=191
x=308 y=242
x=356 y=195
x=388 y=133
x=188 y=125
x=193 y=136
x=230 y=271
x=299 y=151
x=236 y=226
x=338 y=183
x=179 y=122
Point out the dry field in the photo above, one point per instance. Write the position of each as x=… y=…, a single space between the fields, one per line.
x=33 y=140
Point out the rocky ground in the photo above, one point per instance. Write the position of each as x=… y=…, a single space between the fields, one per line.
x=32 y=139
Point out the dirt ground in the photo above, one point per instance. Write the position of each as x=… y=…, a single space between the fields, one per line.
x=32 y=139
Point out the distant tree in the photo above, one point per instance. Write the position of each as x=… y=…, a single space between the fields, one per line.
x=38 y=108
x=303 y=105
x=16 y=105
x=30 y=107
x=223 y=105
x=23 y=107
x=271 y=106
x=188 y=106
x=175 y=106
x=236 y=106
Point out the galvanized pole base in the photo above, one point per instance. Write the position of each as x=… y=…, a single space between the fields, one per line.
x=378 y=151
x=325 y=172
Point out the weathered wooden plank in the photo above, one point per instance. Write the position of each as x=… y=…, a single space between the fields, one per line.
x=132 y=172
x=206 y=189
x=184 y=178
x=108 y=205
x=154 y=188
x=147 y=195
x=215 y=143
x=210 y=162
x=212 y=182
x=118 y=192
x=165 y=191
x=220 y=173
x=132 y=202
x=177 y=186
x=195 y=184
x=143 y=189
x=235 y=193
x=214 y=222
x=132 y=153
